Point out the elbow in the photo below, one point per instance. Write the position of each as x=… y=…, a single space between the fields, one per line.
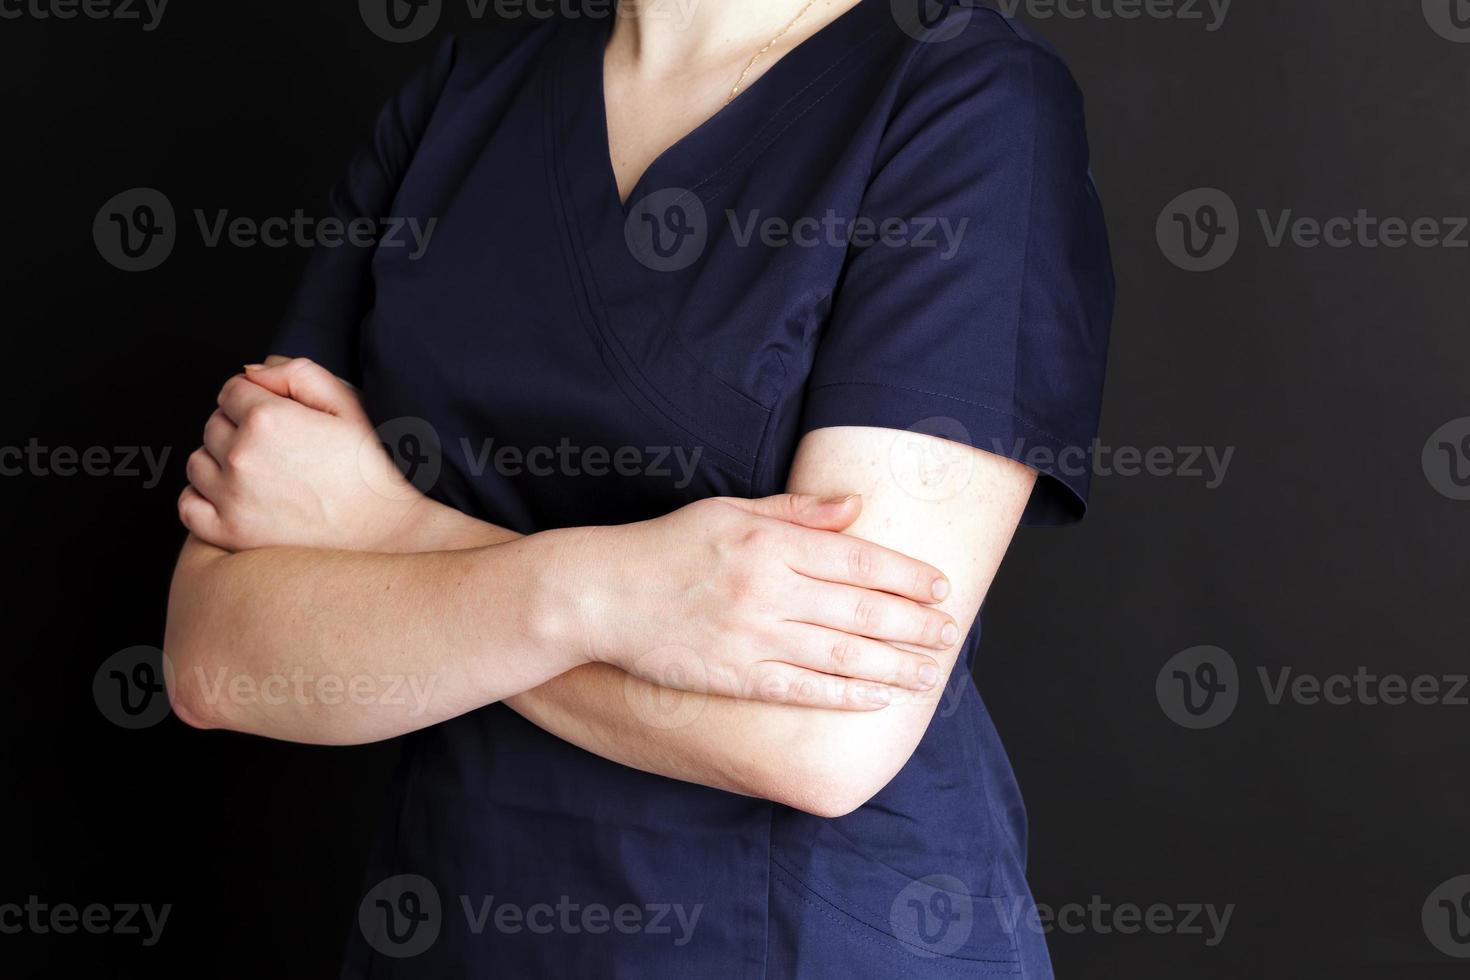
x=831 y=802
x=831 y=777
x=186 y=697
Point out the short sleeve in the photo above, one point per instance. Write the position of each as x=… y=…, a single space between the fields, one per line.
x=336 y=291
x=983 y=314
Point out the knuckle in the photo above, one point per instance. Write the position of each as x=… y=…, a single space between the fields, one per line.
x=931 y=625
x=867 y=613
x=753 y=539
x=860 y=562
x=845 y=654
x=238 y=456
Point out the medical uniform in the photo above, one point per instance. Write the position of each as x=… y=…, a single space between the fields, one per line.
x=893 y=226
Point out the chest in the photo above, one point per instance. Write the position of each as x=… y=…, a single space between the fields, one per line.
x=550 y=322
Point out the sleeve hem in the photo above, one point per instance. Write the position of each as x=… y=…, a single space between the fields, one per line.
x=1064 y=464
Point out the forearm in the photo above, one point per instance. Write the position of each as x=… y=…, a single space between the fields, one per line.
x=802 y=757
x=338 y=647
x=821 y=761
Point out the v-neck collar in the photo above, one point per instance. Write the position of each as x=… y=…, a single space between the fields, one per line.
x=703 y=159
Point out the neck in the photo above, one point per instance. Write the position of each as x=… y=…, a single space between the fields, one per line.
x=659 y=36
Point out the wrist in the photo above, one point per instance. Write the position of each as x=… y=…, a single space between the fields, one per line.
x=572 y=604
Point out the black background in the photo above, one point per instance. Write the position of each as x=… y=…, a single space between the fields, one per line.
x=1325 y=549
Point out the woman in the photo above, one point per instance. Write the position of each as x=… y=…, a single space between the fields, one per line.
x=671 y=722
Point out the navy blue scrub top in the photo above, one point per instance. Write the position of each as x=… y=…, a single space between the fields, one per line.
x=546 y=313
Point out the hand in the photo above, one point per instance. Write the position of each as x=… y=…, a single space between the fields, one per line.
x=761 y=599
x=290 y=458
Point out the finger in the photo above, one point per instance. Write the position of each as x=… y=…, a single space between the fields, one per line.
x=200 y=517
x=239 y=397
x=219 y=436
x=843 y=558
x=877 y=615
x=788 y=684
x=205 y=475
x=859 y=658
x=807 y=509
x=309 y=383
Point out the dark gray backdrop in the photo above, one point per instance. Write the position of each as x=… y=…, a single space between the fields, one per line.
x=1331 y=546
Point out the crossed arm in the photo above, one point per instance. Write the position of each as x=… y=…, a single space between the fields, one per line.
x=341 y=578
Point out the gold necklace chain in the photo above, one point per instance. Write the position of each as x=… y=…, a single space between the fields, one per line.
x=757 y=57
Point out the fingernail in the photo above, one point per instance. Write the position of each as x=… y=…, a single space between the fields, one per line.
x=928 y=676
x=254 y=367
x=941 y=588
x=950 y=635
x=875 y=695
x=839 y=500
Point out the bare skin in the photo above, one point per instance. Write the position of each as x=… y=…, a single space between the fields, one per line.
x=319 y=582
x=663 y=76
x=954 y=505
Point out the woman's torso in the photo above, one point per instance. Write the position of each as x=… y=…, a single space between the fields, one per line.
x=581 y=362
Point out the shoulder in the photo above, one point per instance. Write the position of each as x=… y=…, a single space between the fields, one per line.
x=972 y=58
x=472 y=55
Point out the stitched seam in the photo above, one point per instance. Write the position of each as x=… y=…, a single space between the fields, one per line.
x=955 y=398
x=737 y=157
x=567 y=206
x=811 y=882
x=949 y=963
